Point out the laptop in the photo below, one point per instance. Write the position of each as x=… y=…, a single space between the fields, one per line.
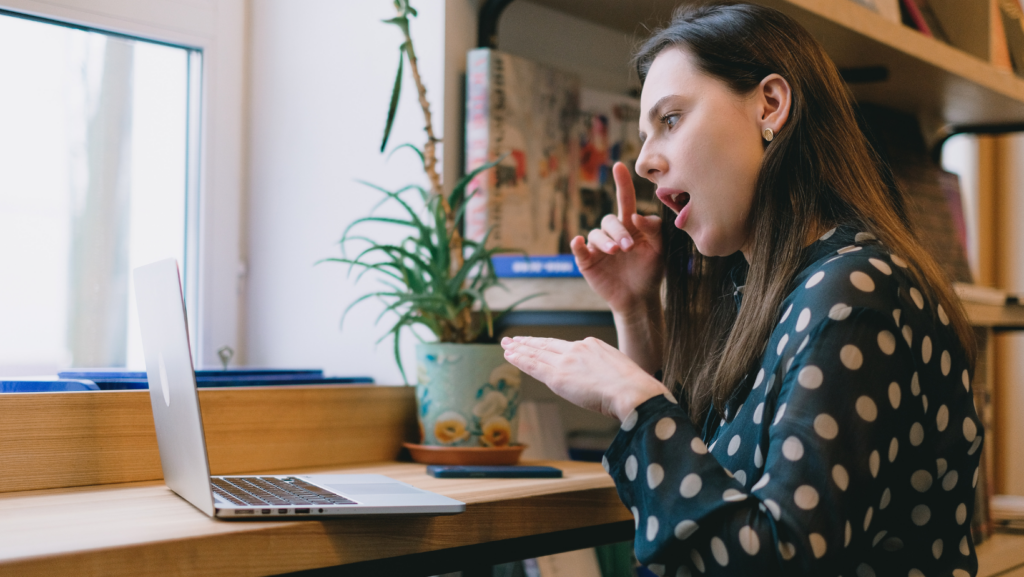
x=179 y=434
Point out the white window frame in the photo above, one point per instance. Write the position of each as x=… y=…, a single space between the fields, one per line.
x=218 y=28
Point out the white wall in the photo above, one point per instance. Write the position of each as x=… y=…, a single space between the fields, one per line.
x=321 y=73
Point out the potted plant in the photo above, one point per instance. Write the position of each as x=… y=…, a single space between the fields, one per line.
x=467 y=394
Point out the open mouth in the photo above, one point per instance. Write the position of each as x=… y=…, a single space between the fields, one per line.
x=676 y=200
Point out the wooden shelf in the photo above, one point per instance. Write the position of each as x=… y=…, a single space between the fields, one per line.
x=939 y=83
x=1007 y=318
x=1001 y=554
x=573 y=294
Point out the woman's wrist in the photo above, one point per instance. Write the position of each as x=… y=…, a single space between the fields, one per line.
x=640 y=334
x=640 y=310
x=644 y=390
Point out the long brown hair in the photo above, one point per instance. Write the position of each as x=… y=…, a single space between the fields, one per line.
x=819 y=171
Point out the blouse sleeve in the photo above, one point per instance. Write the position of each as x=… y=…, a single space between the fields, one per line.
x=827 y=442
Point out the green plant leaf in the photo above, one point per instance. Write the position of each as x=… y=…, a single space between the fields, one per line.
x=423 y=159
x=396 y=91
x=457 y=198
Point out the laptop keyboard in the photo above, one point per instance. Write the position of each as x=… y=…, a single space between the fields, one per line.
x=261 y=491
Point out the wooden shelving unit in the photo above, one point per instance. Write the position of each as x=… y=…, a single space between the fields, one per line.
x=939 y=83
x=573 y=294
x=948 y=89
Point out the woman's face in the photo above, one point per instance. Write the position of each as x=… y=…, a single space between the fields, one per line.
x=702 y=148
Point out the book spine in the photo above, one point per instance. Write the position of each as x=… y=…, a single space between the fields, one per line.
x=516 y=266
x=478 y=143
x=999 y=50
x=916 y=18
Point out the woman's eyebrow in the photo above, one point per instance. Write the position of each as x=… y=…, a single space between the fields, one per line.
x=655 y=111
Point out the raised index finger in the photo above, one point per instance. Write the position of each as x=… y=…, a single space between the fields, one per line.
x=626 y=195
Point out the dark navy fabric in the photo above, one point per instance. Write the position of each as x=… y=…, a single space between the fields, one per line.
x=852 y=451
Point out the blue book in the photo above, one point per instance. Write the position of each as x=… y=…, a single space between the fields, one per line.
x=519 y=266
x=13 y=385
x=117 y=373
x=123 y=379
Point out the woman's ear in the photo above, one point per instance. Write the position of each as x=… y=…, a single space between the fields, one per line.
x=774 y=99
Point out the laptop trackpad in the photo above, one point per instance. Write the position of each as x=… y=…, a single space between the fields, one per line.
x=373 y=489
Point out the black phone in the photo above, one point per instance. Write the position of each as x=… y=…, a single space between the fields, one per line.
x=492 y=471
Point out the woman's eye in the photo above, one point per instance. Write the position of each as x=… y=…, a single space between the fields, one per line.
x=670 y=120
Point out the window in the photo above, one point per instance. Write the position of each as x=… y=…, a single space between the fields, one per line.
x=98 y=175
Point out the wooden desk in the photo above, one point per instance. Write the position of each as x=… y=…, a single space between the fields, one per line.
x=143 y=528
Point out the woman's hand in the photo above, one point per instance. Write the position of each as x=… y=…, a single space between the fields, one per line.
x=622 y=260
x=588 y=373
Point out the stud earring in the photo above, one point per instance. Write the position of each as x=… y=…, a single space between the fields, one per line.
x=768 y=134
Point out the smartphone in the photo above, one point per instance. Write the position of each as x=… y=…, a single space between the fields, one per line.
x=492 y=471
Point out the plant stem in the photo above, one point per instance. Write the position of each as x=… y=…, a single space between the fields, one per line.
x=462 y=328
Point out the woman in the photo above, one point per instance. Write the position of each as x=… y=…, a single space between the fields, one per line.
x=826 y=424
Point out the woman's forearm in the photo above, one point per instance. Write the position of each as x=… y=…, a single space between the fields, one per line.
x=640 y=334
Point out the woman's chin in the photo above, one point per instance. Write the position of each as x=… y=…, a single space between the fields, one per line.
x=709 y=246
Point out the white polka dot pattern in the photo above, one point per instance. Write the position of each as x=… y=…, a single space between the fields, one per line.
x=787 y=550
x=862 y=281
x=655 y=475
x=793 y=449
x=719 y=552
x=803 y=320
x=685 y=528
x=851 y=357
x=840 y=312
x=917 y=298
x=826 y=426
x=698 y=561
x=698 y=446
x=841 y=477
x=881 y=266
x=818 y=545
x=866 y=408
x=833 y=431
x=665 y=428
x=690 y=486
x=786 y=314
x=806 y=497
x=894 y=395
x=782 y=344
x=749 y=540
x=886 y=342
x=630 y=421
x=631 y=467
x=810 y=377
x=652 y=528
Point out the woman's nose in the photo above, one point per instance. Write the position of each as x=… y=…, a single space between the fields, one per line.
x=649 y=164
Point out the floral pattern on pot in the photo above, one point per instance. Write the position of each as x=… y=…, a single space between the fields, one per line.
x=467 y=395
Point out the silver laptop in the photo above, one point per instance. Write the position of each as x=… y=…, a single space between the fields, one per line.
x=179 y=433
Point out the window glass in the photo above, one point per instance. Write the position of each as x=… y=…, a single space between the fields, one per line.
x=97 y=176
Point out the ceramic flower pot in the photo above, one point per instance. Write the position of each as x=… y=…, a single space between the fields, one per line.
x=467 y=395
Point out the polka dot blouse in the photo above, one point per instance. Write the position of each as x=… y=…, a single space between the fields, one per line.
x=852 y=451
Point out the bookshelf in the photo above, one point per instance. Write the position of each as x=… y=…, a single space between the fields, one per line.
x=948 y=88
x=942 y=85
x=574 y=295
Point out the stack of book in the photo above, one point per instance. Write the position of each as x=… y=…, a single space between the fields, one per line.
x=123 y=379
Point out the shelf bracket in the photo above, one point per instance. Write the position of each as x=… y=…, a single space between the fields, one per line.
x=487 y=24
x=951 y=130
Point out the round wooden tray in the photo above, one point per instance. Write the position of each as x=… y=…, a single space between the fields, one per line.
x=432 y=455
